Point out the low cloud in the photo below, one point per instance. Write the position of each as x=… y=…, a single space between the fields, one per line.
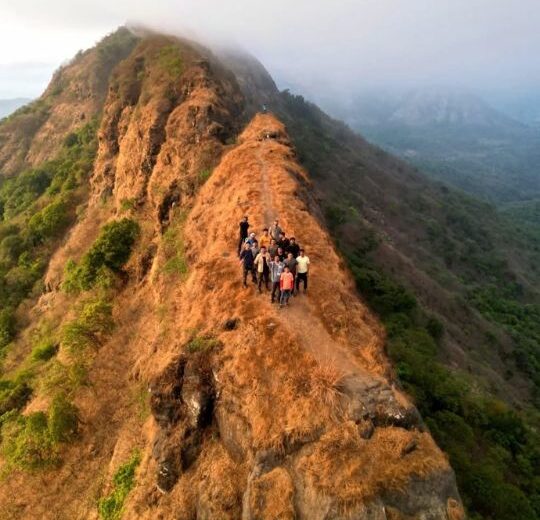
x=347 y=44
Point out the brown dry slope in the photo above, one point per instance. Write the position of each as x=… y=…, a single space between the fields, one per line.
x=292 y=415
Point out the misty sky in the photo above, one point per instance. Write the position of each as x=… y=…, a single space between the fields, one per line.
x=338 y=44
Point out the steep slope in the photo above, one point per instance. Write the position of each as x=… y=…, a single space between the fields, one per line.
x=254 y=413
x=457 y=289
x=74 y=97
x=297 y=394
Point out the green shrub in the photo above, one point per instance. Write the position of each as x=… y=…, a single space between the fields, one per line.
x=385 y=296
x=176 y=265
x=66 y=378
x=127 y=204
x=435 y=328
x=335 y=216
x=26 y=442
x=63 y=420
x=31 y=442
x=170 y=60
x=203 y=176
x=173 y=248
x=111 y=507
x=13 y=395
x=202 y=344
x=7 y=327
x=93 y=323
x=44 y=351
x=111 y=250
x=49 y=222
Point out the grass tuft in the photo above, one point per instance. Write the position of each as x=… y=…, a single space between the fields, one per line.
x=111 y=506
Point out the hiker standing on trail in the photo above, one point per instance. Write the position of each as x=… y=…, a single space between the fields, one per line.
x=283 y=242
x=275 y=230
x=286 y=286
x=262 y=264
x=293 y=248
x=302 y=269
x=276 y=268
x=247 y=261
x=272 y=249
x=251 y=239
x=243 y=228
x=254 y=252
x=265 y=239
x=291 y=263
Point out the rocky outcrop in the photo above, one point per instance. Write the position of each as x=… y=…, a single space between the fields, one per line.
x=182 y=402
x=169 y=114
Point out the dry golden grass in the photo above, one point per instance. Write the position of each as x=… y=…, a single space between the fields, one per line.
x=280 y=372
x=327 y=386
x=354 y=470
x=272 y=495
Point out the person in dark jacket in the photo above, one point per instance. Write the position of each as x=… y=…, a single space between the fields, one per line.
x=293 y=248
x=272 y=249
x=283 y=242
x=247 y=262
x=281 y=254
x=243 y=229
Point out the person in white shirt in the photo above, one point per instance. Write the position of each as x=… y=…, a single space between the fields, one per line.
x=302 y=269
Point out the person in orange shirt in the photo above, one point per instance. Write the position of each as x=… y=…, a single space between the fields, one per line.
x=264 y=240
x=286 y=285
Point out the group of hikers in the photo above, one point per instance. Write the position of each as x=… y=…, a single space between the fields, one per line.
x=274 y=259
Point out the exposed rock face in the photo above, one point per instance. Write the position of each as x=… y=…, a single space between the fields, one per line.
x=182 y=401
x=256 y=413
x=164 y=126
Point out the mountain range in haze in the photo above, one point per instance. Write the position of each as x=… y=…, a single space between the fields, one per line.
x=454 y=135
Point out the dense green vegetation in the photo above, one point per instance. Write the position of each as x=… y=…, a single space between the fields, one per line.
x=32 y=441
x=36 y=207
x=108 y=253
x=495 y=454
x=111 y=507
x=93 y=323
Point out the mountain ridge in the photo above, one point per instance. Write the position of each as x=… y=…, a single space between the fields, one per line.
x=170 y=324
x=447 y=279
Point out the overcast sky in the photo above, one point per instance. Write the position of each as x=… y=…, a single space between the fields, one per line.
x=334 y=43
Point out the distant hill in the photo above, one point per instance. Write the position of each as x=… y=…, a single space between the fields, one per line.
x=8 y=106
x=455 y=136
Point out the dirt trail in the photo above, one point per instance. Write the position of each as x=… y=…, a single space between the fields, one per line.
x=300 y=318
x=267 y=202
